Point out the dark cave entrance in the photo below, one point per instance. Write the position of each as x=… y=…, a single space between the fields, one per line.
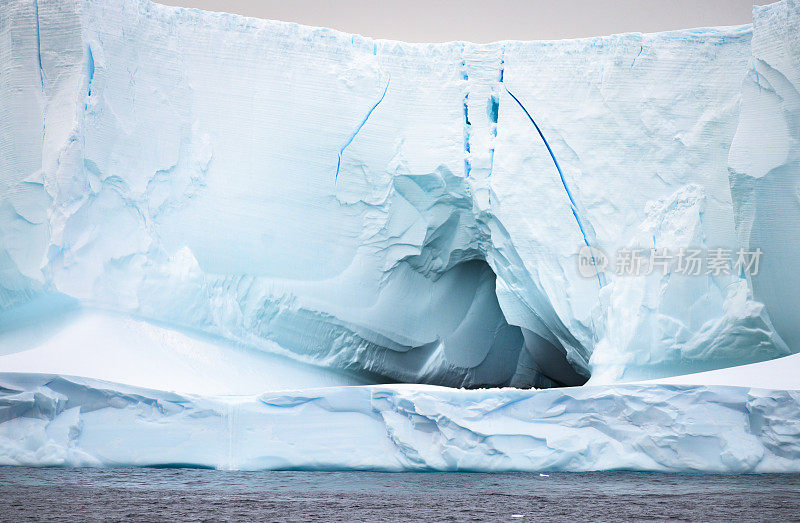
x=476 y=347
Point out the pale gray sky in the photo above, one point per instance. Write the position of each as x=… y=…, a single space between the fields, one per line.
x=486 y=20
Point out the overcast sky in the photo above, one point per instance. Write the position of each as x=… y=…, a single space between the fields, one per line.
x=490 y=20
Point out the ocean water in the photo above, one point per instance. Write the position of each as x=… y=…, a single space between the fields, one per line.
x=181 y=494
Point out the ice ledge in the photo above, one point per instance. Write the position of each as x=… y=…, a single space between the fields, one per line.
x=777 y=374
x=57 y=420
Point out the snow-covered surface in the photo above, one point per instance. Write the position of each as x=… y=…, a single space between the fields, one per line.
x=239 y=408
x=114 y=348
x=235 y=193
x=134 y=352
x=779 y=374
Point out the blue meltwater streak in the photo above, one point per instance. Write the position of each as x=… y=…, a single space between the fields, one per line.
x=353 y=135
x=572 y=204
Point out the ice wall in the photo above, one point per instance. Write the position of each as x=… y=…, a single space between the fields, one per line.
x=407 y=210
x=764 y=163
x=62 y=421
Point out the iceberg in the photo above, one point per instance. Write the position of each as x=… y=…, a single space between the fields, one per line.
x=219 y=232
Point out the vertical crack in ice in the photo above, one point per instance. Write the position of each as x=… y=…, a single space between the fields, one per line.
x=89 y=69
x=494 y=112
x=38 y=43
x=502 y=63
x=494 y=109
x=467 y=124
x=357 y=129
x=467 y=162
x=641 y=48
x=572 y=204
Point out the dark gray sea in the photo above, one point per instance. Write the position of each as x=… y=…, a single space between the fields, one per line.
x=153 y=494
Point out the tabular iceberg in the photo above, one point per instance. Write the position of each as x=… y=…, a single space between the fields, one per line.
x=224 y=207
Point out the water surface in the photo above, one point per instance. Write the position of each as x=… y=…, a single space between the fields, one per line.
x=149 y=494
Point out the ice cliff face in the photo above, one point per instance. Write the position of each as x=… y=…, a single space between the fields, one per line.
x=765 y=163
x=405 y=211
x=57 y=421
